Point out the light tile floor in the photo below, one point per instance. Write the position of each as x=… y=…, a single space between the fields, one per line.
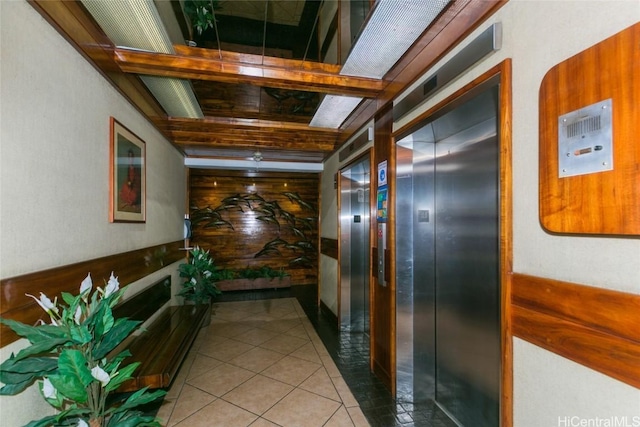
x=259 y=363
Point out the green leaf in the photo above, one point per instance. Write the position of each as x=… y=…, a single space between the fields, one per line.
x=70 y=299
x=138 y=398
x=43 y=422
x=121 y=330
x=80 y=334
x=116 y=360
x=32 y=364
x=41 y=347
x=123 y=375
x=132 y=419
x=72 y=363
x=107 y=320
x=13 y=389
x=69 y=386
x=34 y=333
x=8 y=377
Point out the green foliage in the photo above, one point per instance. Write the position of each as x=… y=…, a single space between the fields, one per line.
x=200 y=13
x=199 y=277
x=71 y=360
x=259 y=272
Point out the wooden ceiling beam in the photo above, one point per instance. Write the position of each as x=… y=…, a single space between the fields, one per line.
x=215 y=69
x=213 y=124
x=213 y=141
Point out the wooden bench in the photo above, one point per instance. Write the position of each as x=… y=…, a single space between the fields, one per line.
x=162 y=345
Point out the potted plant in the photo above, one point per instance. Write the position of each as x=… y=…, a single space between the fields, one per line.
x=199 y=275
x=72 y=359
x=262 y=277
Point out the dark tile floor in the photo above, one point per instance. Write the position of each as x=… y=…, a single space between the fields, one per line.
x=350 y=352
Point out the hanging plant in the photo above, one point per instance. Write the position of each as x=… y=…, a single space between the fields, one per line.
x=200 y=13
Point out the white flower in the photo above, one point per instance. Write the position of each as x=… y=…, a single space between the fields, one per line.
x=45 y=303
x=207 y=274
x=86 y=284
x=194 y=281
x=100 y=374
x=77 y=315
x=82 y=423
x=112 y=286
x=48 y=390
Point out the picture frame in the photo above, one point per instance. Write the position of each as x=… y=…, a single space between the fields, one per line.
x=127 y=172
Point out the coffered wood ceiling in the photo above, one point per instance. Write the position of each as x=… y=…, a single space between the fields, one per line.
x=254 y=101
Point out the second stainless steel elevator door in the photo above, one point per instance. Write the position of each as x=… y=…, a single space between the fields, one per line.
x=448 y=175
x=354 y=258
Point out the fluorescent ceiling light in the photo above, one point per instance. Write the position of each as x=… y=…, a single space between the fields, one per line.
x=250 y=165
x=333 y=109
x=137 y=24
x=393 y=26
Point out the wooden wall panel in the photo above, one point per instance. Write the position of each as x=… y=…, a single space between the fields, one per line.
x=604 y=202
x=383 y=318
x=329 y=247
x=596 y=327
x=238 y=247
x=127 y=266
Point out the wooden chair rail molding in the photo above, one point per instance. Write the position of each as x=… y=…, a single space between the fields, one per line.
x=598 y=328
x=329 y=247
x=128 y=266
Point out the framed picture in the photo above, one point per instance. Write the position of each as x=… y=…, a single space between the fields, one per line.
x=127 y=187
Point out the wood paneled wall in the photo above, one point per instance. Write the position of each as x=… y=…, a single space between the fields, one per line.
x=238 y=247
x=595 y=327
x=383 y=317
x=127 y=266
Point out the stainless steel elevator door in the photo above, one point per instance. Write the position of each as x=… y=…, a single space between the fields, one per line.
x=448 y=213
x=354 y=262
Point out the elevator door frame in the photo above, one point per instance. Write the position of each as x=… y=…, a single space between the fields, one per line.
x=502 y=73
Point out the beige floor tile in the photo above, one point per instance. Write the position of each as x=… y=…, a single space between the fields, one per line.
x=298 y=331
x=281 y=325
x=291 y=370
x=307 y=352
x=284 y=344
x=201 y=365
x=302 y=409
x=219 y=414
x=256 y=336
x=330 y=366
x=225 y=351
x=229 y=313
x=358 y=418
x=164 y=412
x=257 y=359
x=340 y=419
x=190 y=401
x=261 y=422
x=232 y=329
x=320 y=383
x=258 y=394
x=345 y=394
x=221 y=379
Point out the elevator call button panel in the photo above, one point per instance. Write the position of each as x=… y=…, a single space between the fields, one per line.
x=585 y=140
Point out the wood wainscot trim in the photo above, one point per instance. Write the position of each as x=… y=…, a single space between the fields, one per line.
x=127 y=266
x=595 y=327
x=329 y=247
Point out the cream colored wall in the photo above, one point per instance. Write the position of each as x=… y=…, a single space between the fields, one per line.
x=329 y=222
x=54 y=167
x=537 y=35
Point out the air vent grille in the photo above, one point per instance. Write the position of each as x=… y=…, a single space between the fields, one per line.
x=586 y=125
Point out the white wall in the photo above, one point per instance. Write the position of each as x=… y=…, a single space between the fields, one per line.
x=537 y=35
x=54 y=167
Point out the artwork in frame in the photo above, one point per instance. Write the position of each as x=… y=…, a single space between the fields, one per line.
x=127 y=173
